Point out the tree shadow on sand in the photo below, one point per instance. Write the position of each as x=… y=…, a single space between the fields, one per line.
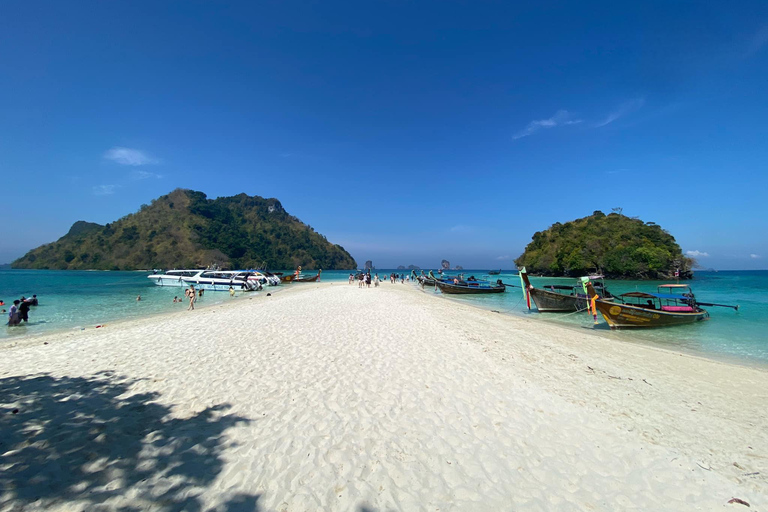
x=87 y=442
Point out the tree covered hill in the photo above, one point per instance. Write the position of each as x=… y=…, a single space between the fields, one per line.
x=616 y=245
x=185 y=229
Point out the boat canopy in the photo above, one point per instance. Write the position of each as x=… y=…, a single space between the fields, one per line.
x=644 y=295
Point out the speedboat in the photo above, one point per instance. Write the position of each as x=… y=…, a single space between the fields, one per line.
x=222 y=280
x=173 y=277
x=264 y=277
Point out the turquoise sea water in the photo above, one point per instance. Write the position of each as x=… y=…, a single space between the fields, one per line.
x=82 y=299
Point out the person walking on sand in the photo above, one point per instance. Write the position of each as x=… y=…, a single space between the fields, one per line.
x=231 y=291
x=190 y=293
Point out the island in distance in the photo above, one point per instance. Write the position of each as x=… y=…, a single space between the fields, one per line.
x=185 y=229
x=614 y=245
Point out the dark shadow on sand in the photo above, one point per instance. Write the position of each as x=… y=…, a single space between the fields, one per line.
x=86 y=440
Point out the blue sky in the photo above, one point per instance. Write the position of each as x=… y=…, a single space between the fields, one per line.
x=408 y=132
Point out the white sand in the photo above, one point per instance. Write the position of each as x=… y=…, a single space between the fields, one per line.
x=329 y=397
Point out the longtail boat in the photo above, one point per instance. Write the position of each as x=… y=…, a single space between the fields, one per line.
x=558 y=298
x=467 y=287
x=286 y=278
x=641 y=309
x=494 y=272
x=312 y=279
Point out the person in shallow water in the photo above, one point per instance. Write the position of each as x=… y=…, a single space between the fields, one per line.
x=23 y=310
x=13 y=314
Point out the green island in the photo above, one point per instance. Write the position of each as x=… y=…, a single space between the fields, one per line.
x=185 y=229
x=614 y=245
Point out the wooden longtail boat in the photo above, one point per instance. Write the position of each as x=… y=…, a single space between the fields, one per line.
x=559 y=298
x=307 y=279
x=651 y=309
x=494 y=272
x=461 y=287
x=286 y=278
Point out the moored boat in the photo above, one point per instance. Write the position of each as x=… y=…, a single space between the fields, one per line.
x=642 y=309
x=222 y=280
x=174 y=277
x=302 y=279
x=558 y=298
x=459 y=286
x=494 y=272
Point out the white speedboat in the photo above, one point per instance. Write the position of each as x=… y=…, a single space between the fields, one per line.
x=173 y=277
x=222 y=280
x=264 y=277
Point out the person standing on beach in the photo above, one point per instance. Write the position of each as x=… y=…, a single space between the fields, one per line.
x=190 y=293
x=231 y=291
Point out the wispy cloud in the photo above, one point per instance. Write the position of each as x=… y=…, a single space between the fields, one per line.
x=502 y=258
x=697 y=254
x=104 y=190
x=622 y=110
x=561 y=118
x=128 y=156
x=754 y=256
x=144 y=175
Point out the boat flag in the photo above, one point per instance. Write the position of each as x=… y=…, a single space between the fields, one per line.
x=584 y=281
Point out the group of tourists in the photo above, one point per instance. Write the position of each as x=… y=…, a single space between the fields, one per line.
x=19 y=310
x=364 y=279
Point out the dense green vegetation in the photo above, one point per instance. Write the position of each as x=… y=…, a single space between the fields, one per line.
x=185 y=229
x=615 y=245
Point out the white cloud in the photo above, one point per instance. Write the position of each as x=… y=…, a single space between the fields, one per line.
x=502 y=258
x=622 y=110
x=128 y=156
x=697 y=254
x=561 y=118
x=143 y=175
x=104 y=190
x=754 y=256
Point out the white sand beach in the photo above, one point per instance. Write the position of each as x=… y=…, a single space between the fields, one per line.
x=330 y=397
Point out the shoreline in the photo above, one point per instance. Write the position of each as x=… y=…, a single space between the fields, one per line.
x=633 y=337
x=610 y=335
x=24 y=340
x=330 y=397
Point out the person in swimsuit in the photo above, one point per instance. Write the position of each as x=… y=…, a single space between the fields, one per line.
x=190 y=293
